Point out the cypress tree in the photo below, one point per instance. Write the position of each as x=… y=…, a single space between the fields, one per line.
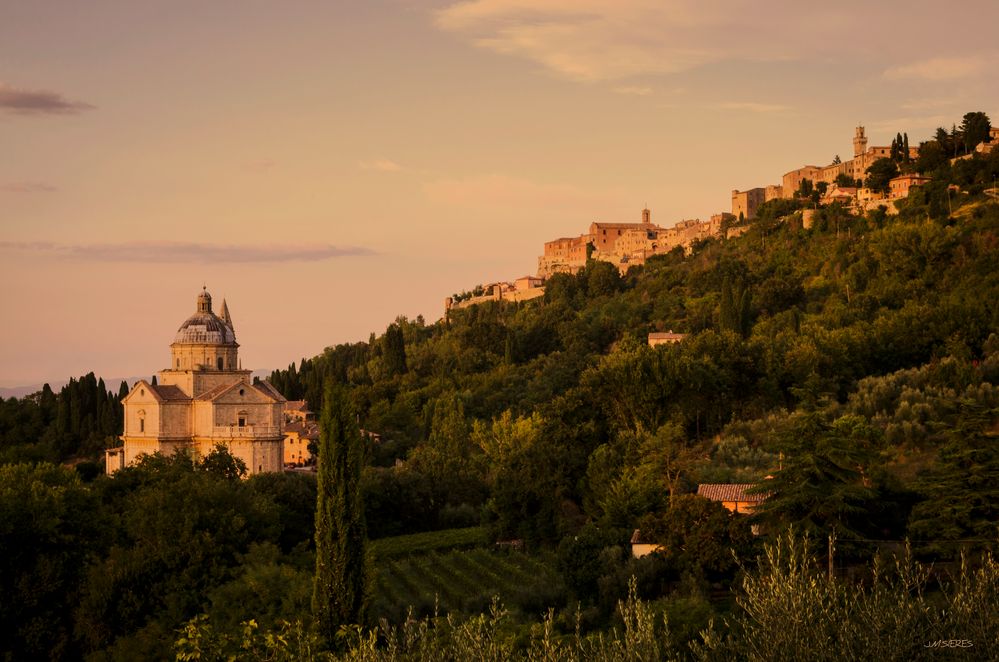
x=340 y=589
x=395 y=350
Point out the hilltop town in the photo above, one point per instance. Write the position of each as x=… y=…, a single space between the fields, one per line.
x=857 y=184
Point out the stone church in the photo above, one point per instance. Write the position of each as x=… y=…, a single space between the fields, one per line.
x=204 y=398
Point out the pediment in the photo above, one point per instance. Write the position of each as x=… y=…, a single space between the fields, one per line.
x=240 y=392
x=142 y=391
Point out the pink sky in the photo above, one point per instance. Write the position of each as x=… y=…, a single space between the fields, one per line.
x=326 y=166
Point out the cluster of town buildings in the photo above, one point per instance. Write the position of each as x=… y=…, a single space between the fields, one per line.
x=626 y=244
x=835 y=175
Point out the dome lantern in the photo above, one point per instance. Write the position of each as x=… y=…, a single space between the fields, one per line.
x=204 y=301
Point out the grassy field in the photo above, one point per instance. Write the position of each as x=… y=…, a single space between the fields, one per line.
x=431 y=577
x=429 y=541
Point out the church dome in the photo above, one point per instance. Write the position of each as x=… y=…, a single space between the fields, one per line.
x=205 y=327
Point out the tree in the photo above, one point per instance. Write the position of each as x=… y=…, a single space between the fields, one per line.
x=961 y=488
x=932 y=155
x=222 y=463
x=975 y=127
x=700 y=536
x=395 y=350
x=880 y=174
x=844 y=180
x=836 y=160
x=340 y=588
x=47 y=531
x=822 y=484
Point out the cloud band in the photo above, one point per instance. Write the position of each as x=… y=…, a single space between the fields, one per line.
x=182 y=252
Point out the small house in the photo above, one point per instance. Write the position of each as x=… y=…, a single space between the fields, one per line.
x=734 y=496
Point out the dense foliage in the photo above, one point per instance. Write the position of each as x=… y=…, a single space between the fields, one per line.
x=849 y=370
x=79 y=421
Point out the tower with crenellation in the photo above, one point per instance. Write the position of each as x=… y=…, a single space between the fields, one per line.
x=859 y=142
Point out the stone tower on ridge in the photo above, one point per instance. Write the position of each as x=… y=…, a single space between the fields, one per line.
x=859 y=142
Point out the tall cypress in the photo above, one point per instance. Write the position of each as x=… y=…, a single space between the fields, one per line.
x=340 y=589
x=395 y=350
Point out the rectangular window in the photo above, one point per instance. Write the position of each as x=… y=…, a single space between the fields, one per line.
x=142 y=425
x=242 y=422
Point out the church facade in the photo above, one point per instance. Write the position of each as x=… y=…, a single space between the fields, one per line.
x=203 y=399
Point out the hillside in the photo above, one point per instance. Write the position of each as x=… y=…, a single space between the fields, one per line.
x=885 y=322
x=850 y=370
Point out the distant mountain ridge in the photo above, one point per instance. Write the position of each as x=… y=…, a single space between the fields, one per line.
x=111 y=383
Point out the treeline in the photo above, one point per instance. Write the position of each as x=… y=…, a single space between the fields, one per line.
x=541 y=416
x=79 y=421
x=111 y=568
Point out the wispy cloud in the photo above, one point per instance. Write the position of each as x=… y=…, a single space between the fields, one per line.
x=938 y=68
x=27 y=187
x=637 y=90
x=38 y=102
x=607 y=40
x=261 y=165
x=752 y=107
x=380 y=165
x=181 y=252
x=590 y=40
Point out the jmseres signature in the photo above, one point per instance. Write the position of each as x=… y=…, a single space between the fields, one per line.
x=949 y=643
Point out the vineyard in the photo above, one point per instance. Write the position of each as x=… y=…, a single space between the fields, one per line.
x=464 y=581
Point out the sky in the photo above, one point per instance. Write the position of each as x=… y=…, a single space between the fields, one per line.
x=328 y=166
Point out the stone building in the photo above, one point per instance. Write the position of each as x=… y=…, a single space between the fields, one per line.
x=900 y=186
x=855 y=168
x=625 y=244
x=745 y=203
x=564 y=255
x=203 y=399
x=297 y=437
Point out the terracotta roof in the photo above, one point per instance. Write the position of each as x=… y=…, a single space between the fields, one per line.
x=729 y=492
x=295 y=405
x=213 y=393
x=636 y=537
x=169 y=392
x=666 y=335
x=625 y=226
x=268 y=389
x=308 y=429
